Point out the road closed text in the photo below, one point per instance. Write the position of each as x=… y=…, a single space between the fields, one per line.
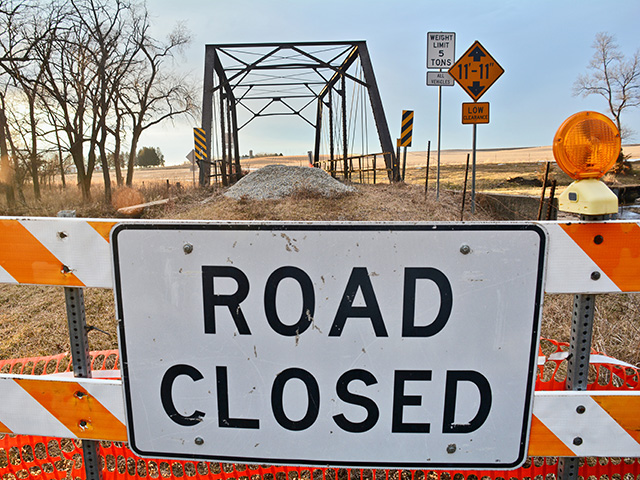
x=401 y=400
x=358 y=282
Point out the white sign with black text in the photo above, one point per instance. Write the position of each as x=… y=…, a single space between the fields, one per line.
x=380 y=345
x=441 y=49
x=440 y=79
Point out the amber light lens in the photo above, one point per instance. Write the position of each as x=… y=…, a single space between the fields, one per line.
x=586 y=145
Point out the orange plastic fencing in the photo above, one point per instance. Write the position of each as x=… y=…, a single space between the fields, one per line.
x=26 y=457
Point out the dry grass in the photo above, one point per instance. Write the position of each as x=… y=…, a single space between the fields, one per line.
x=33 y=319
x=616 y=329
x=382 y=202
x=508 y=178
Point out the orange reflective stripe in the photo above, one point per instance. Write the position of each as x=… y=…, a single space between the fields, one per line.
x=27 y=260
x=617 y=253
x=544 y=443
x=103 y=228
x=624 y=411
x=4 y=428
x=76 y=409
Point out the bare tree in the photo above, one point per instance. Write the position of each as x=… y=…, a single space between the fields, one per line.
x=91 y=76
x=27 y=76
x=111 y=25
x=13 y=48
x=152 y=96
x=612 y=76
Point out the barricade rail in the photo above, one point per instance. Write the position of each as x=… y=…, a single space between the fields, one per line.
x=74 y=252
x=25 y=456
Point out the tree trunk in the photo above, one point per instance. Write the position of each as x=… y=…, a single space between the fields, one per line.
x=84 y=179
x=105 y=166
x=33 y=164
x=33 y=155
x=132 y=155
x=6 y=170
x=116 y=152
x=64 y=183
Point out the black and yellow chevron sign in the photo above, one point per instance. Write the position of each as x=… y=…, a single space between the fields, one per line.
x=200 y=143
x=406 y=132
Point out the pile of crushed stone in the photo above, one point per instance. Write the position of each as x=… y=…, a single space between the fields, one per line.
x=278 y=181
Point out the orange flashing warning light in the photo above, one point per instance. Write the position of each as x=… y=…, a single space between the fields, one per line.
x=586 y=145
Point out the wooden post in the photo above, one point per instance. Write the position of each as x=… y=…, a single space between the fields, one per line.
x=374 y=169
x=426 y=177
x=464 y=190
x=544 y=187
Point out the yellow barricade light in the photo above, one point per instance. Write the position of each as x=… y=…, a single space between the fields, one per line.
x=585 y=147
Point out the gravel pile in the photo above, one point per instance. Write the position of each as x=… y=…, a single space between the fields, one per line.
x=278 y=181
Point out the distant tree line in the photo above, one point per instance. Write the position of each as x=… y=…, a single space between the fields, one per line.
x=80 y=81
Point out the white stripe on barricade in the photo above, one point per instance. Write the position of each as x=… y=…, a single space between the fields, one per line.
x=609 y=424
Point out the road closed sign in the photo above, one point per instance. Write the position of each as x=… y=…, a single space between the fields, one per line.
x=373 y=345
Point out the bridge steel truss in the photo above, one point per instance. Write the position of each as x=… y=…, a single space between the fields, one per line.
x=277 y=79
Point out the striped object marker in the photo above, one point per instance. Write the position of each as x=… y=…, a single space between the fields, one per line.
x=200 y=143
x=406 y=131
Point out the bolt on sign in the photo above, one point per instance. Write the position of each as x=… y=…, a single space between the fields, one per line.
x=379 y=345
x=476 y=70
x=406 y=132
x=475 y=112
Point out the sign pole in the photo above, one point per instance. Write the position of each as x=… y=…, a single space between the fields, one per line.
x=441 y=53
x=439 y=126
x=473 y=171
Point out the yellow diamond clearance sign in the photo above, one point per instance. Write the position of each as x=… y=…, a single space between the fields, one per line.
x=476 y=70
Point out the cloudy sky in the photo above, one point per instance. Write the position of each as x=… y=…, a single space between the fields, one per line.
x=543 y=45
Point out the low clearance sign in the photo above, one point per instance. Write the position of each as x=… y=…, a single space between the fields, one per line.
x=379 y=345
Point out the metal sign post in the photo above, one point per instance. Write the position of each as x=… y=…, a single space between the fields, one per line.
x=441 y=53
x=270 y=335
x=439 y=133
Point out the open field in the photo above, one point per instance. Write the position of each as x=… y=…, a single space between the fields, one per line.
x=510 y=171
x=32 y=319
x=449 y=157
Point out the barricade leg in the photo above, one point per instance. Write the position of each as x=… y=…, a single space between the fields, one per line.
x=81 y=359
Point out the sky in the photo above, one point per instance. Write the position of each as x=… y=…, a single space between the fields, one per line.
x=542 y=45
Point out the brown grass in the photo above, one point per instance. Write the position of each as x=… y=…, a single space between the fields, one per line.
x=126 y=197
x=382 y=202
x=616 y=329
x=33 y=319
